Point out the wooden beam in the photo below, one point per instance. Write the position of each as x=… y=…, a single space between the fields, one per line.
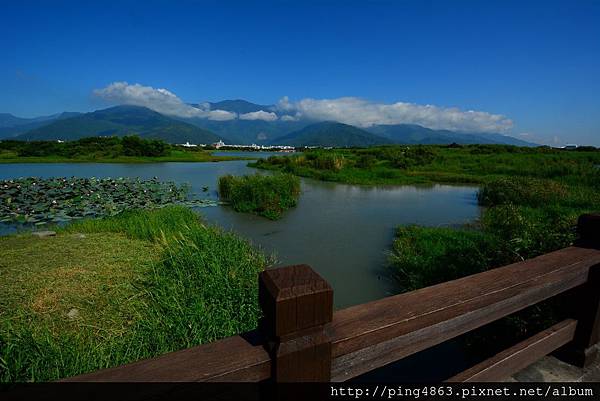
x=521 y=355
x=371 y=335
x=231 y=359
x=297 y=305
x=585 y=304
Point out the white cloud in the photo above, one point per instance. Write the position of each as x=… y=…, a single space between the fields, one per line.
x=349 y=110
x=160 y=100
x=363 y=113
x=259 y=115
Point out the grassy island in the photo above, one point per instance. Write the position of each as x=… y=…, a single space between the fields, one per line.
x=110 y=291
x=265 y=195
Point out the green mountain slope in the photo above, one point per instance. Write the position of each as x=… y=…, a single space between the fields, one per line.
x=11 y=126
x=331 y=133
x=120 y=121
x=416 y=134
x=246 y=132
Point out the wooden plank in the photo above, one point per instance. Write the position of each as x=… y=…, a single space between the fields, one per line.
x=371 y=335
x=519 y=356
x=231 y=359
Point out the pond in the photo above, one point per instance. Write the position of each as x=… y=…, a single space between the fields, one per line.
x=249 y=154
x=342 y=231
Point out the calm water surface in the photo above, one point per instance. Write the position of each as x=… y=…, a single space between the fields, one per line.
x=342 y=231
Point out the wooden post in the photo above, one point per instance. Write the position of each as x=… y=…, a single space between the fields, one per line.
x=582 y=351
x=297 y=305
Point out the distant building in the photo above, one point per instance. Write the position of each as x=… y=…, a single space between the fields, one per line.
x=570 y=146
x=188 y=145
x=219 y=144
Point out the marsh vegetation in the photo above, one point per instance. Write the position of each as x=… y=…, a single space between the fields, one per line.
x=264 y=195
x=531 y=198
x=40 y=201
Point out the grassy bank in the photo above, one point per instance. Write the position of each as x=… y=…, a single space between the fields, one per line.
x=264 y=195
x=475 y=164
x=111 y=291
x=173 y=156
x=531 y=198
x=129 y=149
x=524 y=218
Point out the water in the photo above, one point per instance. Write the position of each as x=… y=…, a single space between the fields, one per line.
x=252 y=154
x=342 y=231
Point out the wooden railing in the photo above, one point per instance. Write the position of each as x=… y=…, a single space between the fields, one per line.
x=300 y=338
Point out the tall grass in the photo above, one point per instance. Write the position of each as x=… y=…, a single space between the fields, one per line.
x=524 y=218
x=201 y=286
x=448 y=164
x=267 y=196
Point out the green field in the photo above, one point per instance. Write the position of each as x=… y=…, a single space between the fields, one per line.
x=128 y=149
x=110 y=291
x=439 y=164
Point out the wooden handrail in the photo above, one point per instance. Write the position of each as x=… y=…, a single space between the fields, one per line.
x=300 y=339
x=371 y=335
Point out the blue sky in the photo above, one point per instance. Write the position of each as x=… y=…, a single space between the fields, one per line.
x=536 y=64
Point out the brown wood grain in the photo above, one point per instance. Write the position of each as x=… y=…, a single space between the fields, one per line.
x=371 y=335
x=521 y=355
x=298 y=305
x=230 y=359
x=294 y=298
x=585 y=307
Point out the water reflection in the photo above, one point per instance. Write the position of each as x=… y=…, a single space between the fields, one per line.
x=342 y=231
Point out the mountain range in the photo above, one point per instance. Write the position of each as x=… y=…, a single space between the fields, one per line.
x=246 y=129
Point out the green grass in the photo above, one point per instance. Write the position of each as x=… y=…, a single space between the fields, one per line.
x=524 y=218
x=424 y=256
x=265 y=195
x=127 y=149
x=475 y=164
x=172 y=156
x=143 y=283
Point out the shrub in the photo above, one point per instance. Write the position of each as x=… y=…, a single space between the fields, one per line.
x=423 y=256
x=267 y=196
x=89 y=147
x=530 y=232
x=366 y=161
x=136 y=146
x=521 y=191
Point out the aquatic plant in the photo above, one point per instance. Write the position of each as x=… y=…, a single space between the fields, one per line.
x=39 y=201
x=267 y=196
